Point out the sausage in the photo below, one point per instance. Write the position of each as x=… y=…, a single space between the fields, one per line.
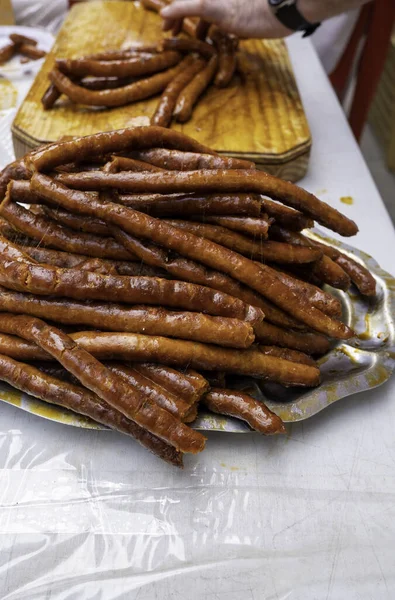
x=125 y=53
x=195 y=88
x=99 y=144
x=262 y=251
x=15 y=170
x=188 y=385
x=182 y=353
x=360 y=276
x=188 y=45
x=279 y=233
x=153 y=391
x=187 y=204
x=105 y=384
x=68 y=260
x=176 y=160
x=226 y=58
x=136 y=66
x=104 y=83
x=288 y=354
x=286 y=217
x=202 y=29
x=75 y=222
x=309 y=343
x=311 y=293
x=19 y=191
x=165 y=108
x=183 y=269
x=136 y=319
x=242 y=406
x=247 y=225
x=49 y=233
x=214 y=181
x=19 y=39
x=46 y=280
x=32 y=381
x=7 y=52
x=138 y=90
x=31 y=51
x=257 y=276
x=121 y=163
x=50 y=96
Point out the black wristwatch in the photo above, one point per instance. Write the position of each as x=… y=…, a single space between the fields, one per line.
x=288 y=14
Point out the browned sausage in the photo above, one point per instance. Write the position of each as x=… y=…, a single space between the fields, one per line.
x=241 y=406
x=153 y=391
x=164 y=111
x=218 y=181
x=7 y=52
x=188 y=385
x=286 y=217
x=136 y=66
x=99 y=144
x=78 y=223
x=202 y=29
x=291 y=237
x=188 y=45
x=226 y=58
x=187 y=204
x=192 y=92
x=50 y=96
x=31 y=51
x=49 y=233
x=136 y=319
x=135 y=48
x=181 y=353
x=259 y=277
x=247 y=225
x=100 y=380
x=360 y=276
x=288 y=354
x=309 y=343
x=16 y=170
x=266 y=250
x=82 y=401
x=84 y=285
x=138 y=90
x=175 y=160
x=19 y=39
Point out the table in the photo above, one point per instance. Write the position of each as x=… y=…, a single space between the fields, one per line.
x=89 y=514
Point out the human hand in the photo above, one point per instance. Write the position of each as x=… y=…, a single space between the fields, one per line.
x=251 y=19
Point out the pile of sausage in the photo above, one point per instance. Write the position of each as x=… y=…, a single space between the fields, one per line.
x=20 y=44
x=181 y=69
x=138 y=268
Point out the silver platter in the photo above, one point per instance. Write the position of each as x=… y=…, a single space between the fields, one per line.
x=364 y=362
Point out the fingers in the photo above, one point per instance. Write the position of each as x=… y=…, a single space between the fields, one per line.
x=182 y=8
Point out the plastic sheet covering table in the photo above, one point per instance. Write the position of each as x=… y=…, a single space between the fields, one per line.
x=90 y=515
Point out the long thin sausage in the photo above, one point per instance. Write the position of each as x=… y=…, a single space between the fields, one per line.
x=122 y=163
x=246 y=225
x=202 y=29
x=192 y=92
x=138 y=90
x=78 y=223
x=309 y=343
x=259 y=277
x=288 y=354
x=359 y=275
x=241 y=406
x=49 y=233
x=188 y=45
x=165 y=108
x=226 y=58
x=285 y=216
x=19 y=39
x=7 y=52
x=176 y=160
x=32 y=381
x=136 y=319
x=213 y=181
x=136 y=66
x=187 y=204
x=31 y=51
x=188 y=385
x=51 y=95
x=108 y=142
x=100 y=380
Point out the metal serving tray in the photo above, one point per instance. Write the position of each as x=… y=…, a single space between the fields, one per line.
x=364 y=362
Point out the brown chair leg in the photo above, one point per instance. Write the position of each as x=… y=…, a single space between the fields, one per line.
x=371 y=62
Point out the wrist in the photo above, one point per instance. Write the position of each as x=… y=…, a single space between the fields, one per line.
x=271 y=25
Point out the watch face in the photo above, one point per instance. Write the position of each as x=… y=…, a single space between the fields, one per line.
x=280 y=3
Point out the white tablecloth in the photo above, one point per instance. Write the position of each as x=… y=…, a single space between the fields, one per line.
x=90 y=515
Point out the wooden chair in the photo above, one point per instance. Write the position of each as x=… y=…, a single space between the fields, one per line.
x=373 y=29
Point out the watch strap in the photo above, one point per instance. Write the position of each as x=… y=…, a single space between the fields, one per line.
x=289 y=15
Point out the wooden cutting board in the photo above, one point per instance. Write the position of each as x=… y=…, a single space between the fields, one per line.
x=259 y=116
